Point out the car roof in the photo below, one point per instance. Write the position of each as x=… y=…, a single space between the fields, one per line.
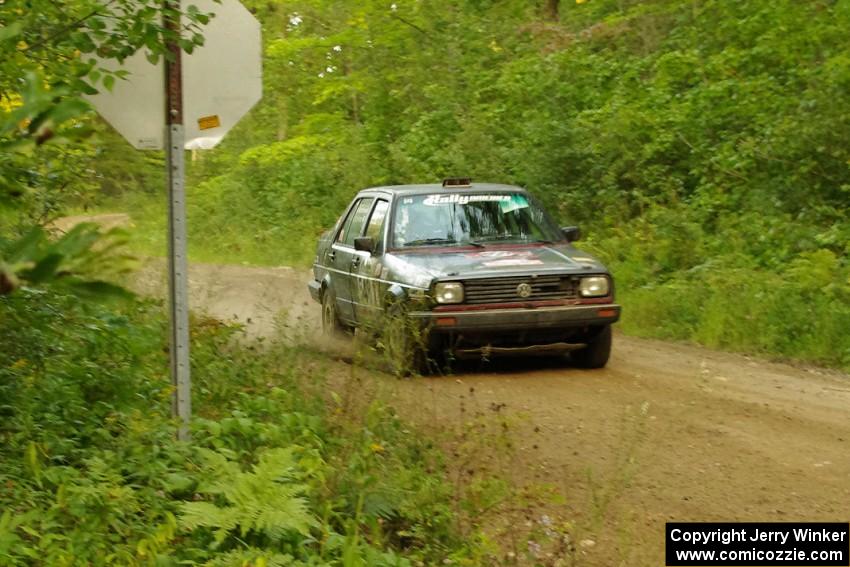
x=417 y=189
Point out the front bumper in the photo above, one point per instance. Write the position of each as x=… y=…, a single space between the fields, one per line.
x=516 y=319
x=315 y=288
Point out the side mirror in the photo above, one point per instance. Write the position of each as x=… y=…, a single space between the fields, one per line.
x=364 y=244
x=571 y=233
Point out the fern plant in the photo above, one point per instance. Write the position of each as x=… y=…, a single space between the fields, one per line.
x=267 y=501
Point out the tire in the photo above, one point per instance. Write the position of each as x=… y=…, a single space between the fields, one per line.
x=597 y=351
x=331 y=325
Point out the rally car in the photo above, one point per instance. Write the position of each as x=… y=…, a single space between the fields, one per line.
x=473 y=269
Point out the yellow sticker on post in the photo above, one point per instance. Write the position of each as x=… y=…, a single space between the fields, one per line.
x=209 y=122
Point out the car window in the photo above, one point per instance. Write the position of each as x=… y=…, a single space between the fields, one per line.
x=345 y=224
x=375 y=228
x=355 y=221
x=446 y=219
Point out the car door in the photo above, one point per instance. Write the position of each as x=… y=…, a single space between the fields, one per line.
x=367 y=288
x=340 y=254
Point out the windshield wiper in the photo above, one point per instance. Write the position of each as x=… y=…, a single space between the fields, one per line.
x=500 y=237
x=515 y=237
x=427 y=241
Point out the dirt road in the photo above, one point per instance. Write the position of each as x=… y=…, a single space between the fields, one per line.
x=665 y=432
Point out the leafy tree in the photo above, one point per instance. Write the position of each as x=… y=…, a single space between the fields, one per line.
x=49 y=57
x=49 y=54
x=684 y=135
x=78 y=260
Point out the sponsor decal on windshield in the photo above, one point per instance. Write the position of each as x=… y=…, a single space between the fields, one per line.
x=455 y=199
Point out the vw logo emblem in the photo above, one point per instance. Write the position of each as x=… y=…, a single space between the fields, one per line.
x=523 y=290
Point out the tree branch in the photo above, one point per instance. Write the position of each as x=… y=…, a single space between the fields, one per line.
x=411 y=24
x=62 y=31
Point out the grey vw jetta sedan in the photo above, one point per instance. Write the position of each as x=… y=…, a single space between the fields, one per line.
x=472 y=268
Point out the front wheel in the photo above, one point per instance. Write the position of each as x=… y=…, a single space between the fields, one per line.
x=331 y=325
x=597 y=351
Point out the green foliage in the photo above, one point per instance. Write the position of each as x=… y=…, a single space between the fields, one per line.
x=270 y=189
x=680 y=134
x=51 y=53
x=78 y=260
x=264 y=504
x=799 y=312
x=90 y=472
x=685 y=136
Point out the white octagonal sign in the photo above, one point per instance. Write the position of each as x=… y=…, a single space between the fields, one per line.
x=222 y=80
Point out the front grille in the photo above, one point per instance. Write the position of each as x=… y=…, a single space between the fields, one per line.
x=504 y=290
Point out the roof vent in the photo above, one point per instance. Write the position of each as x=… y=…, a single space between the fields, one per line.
x=456 y=182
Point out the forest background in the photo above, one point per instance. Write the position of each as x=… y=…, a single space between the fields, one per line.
x=702 y=146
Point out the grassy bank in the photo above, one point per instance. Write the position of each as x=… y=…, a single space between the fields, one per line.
x=800 y=311
x=277 y=473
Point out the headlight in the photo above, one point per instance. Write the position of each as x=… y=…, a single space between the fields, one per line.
x=595 y=286
x=448 y=292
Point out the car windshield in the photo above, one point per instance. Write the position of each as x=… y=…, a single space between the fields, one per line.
x=447 y=219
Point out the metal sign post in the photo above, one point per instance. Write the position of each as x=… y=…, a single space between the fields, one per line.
x=178 y=284
x=219 y=82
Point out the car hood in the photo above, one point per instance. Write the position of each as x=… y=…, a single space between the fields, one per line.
x=428 y=263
